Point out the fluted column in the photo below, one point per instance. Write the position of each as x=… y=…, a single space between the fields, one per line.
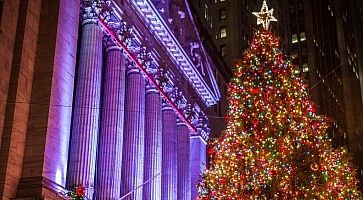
x=183 y=161
x=82 y=161
x=197 y=162
x=112 y=124
x=169 y=157
x=153 y=145
x=133 y=156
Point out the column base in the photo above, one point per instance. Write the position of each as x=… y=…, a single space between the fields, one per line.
x=39 y=188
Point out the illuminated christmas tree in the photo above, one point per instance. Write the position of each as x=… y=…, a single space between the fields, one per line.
x=275 y=145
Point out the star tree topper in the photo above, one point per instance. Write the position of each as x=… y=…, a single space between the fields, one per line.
x=265 y=16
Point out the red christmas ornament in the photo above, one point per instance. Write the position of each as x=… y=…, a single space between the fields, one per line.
x=260 y=70
x=255 y=90
x=222 y=180
x=283 y=72
x=255 y=122
x=275 y=70
x=313 y=107
x=80 y=190
x=210 y=150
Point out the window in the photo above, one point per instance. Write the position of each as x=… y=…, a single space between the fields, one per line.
x=205 y=11
x=302 y=36
x=1 y=9
x=210 y=21
x=223 y=50
x=294 y=55
x=222 y=14
x=223 y=32
x=305 y=67
x=294 y=38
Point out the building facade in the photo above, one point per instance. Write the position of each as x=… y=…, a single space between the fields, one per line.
x=111 y=95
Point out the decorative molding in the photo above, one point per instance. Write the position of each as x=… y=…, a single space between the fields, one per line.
x=203 y=127
x=166 y=37
x=110 y=44
x=150 y=88
x=140 y=60
x=91 y=10
x=130 y=67
x=125 y=34
x=166 y=105
x=144 y=57
x=180 y=122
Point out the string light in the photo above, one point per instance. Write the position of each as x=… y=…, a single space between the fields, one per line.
x=275 y=145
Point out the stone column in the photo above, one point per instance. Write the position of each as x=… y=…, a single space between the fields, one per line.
x=153 y=145
x=183 y=161
x=197 y=162
x=133 y=156
x=86 y=114
x=112 y=124
x=169 y=157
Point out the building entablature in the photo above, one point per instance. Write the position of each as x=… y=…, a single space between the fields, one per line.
x=147 y=61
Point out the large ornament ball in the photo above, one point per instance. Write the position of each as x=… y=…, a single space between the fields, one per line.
x=255 y=90
x=275 y=69
x=210 y=150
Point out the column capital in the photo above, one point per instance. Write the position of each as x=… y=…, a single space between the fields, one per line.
x=130 y=67
x=203 y=127
x=92 y=9
x=166 y=105
x=151 y=88
x=180 y=122
x=191 y=113
x=123 y=32
x=110 y=44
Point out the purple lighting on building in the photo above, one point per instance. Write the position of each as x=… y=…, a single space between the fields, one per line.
x=150 y=79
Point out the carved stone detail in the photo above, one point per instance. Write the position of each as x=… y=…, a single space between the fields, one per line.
x=196 y=54
x=92 y=9
x=125 y=34
x=190 y=114
x=109 y=43
x=144 y=57
x=203 y=127
x=161 y=78
x=151 y=88
x=130 y=67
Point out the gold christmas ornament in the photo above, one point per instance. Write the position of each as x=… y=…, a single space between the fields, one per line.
x=314 y=166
